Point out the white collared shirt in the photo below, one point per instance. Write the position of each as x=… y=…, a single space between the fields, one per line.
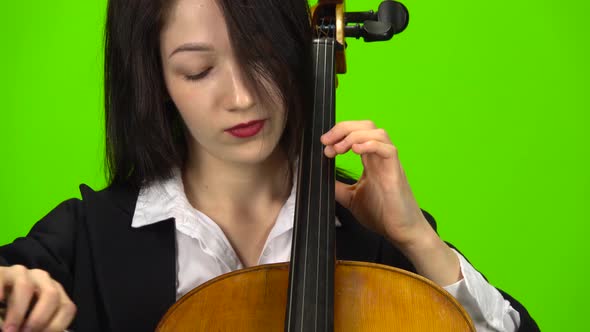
x=204 y=252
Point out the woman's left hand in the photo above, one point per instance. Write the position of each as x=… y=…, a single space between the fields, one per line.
x=381 y=199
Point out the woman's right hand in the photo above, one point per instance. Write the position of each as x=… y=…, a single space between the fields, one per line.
x=35 y=302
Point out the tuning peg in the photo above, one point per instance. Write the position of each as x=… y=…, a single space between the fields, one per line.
x=394 y=13
x=392 y=17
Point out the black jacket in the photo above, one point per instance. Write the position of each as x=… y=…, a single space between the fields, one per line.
x=124 y=279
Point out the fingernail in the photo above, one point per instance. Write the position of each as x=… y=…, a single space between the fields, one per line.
x=28 y=329
x=329 y=151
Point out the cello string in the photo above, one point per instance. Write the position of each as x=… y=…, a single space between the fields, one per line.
x=309 y=193
x=321 y=185
x=297 y=230
x=324 y=225
x=330 y=193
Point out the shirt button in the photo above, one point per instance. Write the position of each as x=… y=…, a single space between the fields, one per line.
x=266 y=252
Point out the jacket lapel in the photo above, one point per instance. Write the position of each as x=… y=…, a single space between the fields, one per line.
x=135 y=267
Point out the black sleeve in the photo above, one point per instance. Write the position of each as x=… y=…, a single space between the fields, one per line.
x=50 y=244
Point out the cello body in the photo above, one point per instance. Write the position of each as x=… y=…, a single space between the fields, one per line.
x=367 y=297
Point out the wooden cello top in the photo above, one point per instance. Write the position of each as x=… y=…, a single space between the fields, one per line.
x=368 y=297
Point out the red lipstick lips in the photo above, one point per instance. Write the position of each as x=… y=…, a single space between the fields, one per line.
x=244 y=130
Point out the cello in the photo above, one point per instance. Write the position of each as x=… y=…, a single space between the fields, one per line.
x=315 y=292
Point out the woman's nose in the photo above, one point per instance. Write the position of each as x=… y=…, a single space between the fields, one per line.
x=240 y=92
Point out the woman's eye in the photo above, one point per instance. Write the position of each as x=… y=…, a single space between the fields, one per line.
x=198 y=76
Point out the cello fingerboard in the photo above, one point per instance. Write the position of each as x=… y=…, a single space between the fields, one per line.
x=310 y=303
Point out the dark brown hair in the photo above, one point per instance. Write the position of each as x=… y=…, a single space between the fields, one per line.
x=145 y=138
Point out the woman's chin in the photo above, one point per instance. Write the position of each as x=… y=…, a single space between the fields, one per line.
x=256 y=155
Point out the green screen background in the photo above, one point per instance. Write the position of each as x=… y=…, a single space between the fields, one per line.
x=486 y=101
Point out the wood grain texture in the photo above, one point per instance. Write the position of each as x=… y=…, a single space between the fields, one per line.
x=368 y=297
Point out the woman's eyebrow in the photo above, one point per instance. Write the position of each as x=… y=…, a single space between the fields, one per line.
x=192 y=47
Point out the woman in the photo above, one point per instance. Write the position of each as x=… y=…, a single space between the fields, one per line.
x=204 y=101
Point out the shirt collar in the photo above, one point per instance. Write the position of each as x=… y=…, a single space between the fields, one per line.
x=160 y=201
x=165 y=199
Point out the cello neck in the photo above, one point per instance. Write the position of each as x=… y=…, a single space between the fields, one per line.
x=310 y=303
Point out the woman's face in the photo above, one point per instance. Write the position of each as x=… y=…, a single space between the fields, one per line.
x=205 y=82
